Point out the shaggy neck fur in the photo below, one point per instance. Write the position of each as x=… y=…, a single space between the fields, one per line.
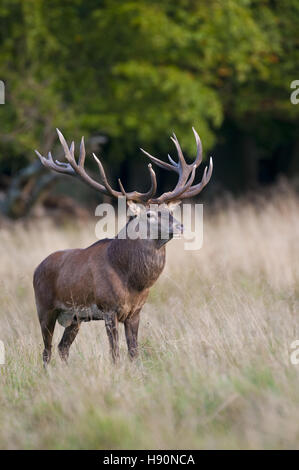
x=139 y=261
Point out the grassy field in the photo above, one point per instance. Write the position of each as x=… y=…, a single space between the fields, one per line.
x=215 y=335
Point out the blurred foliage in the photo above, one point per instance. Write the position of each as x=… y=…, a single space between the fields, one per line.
x=137 y=70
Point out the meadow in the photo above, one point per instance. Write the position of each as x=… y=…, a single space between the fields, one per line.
x=214 y=369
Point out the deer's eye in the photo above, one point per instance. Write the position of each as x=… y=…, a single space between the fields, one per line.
x=151 y=216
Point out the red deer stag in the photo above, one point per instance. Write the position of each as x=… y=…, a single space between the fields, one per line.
x=110 y=279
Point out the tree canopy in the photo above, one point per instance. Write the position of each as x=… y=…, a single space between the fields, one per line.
x=137 y=70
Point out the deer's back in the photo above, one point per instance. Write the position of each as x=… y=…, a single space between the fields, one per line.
x=84 y=280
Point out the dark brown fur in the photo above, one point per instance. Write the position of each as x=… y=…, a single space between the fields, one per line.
x=113 y=274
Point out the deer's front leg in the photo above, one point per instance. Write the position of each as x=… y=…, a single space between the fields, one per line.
x=131 y=330
x=111 y=324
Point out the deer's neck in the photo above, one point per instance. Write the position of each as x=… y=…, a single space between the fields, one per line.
x=139 y=262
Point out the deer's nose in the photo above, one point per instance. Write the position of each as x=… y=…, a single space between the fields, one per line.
x=179 y=228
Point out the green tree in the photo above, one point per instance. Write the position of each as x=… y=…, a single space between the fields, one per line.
x=137 y=70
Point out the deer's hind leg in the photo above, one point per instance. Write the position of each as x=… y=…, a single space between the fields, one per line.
x=67 y=339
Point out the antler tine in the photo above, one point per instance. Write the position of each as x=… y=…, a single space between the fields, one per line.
x=122 y=188
x=182 y=161
x=183 y=168
x=109 y=189
x=81 y=160
x=60 y=167
x=198 y=159
x=153 y=188
x=196 y=189
x=172 y=161
x=158 y=162
x=68 y=152
x=141 y=197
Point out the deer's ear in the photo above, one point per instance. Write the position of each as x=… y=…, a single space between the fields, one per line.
x=172 y=205
x=134 y=209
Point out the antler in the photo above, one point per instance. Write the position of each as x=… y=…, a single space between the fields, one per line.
x=73 y=168
x=184 y=188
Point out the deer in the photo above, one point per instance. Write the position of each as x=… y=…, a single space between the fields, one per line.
x=110 y=280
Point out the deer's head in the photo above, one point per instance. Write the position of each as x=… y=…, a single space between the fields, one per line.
x=150 y=214
x=155 y=222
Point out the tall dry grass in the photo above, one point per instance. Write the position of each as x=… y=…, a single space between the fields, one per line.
x=215 y=338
